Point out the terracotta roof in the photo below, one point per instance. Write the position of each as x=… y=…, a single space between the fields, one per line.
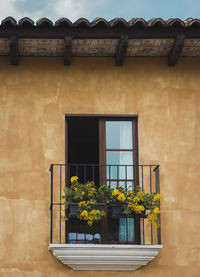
x=172 y=22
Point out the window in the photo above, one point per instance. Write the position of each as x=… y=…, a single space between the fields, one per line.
x=103 y=149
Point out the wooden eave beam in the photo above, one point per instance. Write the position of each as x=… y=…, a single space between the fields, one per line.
x=121 y=50
x=68 y=50
x=14 y=51
x=97 y=33
x=176 y=50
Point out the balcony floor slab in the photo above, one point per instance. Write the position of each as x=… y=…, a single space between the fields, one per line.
x=104 y=256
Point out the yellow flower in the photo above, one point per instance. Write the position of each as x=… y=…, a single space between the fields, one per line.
x=136 y=199
x=103 y=213
x=90 y=222
x=116 y=192
x=154 y=220
x=140 y=195
x=131 y=205
x=121 y=197
x=158 y=196
x=82 y=203
x=156 y=210
x=84 y=215
x=82 y=192
x=94 y=212
x=152 y=217
x=138 y=209
x=156 y=225
x=91 y=191
x=74 y=179
x=130 y=192
x=62 y=201
x=75 y=189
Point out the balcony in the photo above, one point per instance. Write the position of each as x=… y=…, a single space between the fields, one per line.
x=124 y=244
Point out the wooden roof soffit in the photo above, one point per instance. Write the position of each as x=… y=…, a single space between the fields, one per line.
x=68 y=51
x=176 y=50
x=14 y=51
x=121 y=50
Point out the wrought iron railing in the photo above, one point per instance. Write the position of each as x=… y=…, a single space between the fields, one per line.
x=144 y=176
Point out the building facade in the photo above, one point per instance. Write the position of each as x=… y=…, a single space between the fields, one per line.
x=38 y=93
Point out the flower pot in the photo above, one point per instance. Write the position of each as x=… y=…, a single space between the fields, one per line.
x=74 y=209
x=141 y=215
x=99 y=206
x=118 y=211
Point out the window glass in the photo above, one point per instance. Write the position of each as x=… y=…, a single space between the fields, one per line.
x=80 y=232
x=119 y=135
x=121 y=229
x=126 y=229
x=120 y=159
x=124 y=184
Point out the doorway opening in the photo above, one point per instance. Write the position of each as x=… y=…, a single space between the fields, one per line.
x=83 y=148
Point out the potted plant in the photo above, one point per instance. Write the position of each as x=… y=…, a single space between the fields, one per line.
x=85 y=201
x=135 y=204
x=117 y=202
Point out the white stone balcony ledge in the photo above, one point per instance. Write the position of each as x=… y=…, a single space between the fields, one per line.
x=104 y=256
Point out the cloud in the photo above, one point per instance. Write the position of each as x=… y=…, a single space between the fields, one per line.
x=11 y=8
x=51 y=9
x=70 y=9
x=7 y=7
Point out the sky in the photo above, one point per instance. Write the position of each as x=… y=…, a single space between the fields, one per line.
x=108 y=9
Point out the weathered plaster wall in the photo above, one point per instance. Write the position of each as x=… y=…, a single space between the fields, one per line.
x=35 y=96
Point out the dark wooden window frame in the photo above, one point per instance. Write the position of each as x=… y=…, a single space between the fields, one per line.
x=102 y=159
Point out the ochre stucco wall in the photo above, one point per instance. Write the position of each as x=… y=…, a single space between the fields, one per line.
x=34 y=98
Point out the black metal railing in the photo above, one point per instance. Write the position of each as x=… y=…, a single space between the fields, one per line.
x=144 y=176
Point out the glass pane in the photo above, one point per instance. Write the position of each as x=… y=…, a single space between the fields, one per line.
x=124 y=184
x=121 y=229
x=80 y=232
x=119 y=135
x=113 y=229
x=112 y=184
x=115 y=161
x=126 y=229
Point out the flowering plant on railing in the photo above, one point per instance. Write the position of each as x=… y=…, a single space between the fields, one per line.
x=118 y=196
x=139 y=202
x=136 y=203
x=87 y=199
x=79 y=192
x=90 y=212
x=90 y=201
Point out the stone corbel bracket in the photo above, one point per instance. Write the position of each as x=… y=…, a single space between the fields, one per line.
x=104 y=256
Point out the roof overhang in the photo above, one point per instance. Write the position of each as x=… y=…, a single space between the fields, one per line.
x=117 y=38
